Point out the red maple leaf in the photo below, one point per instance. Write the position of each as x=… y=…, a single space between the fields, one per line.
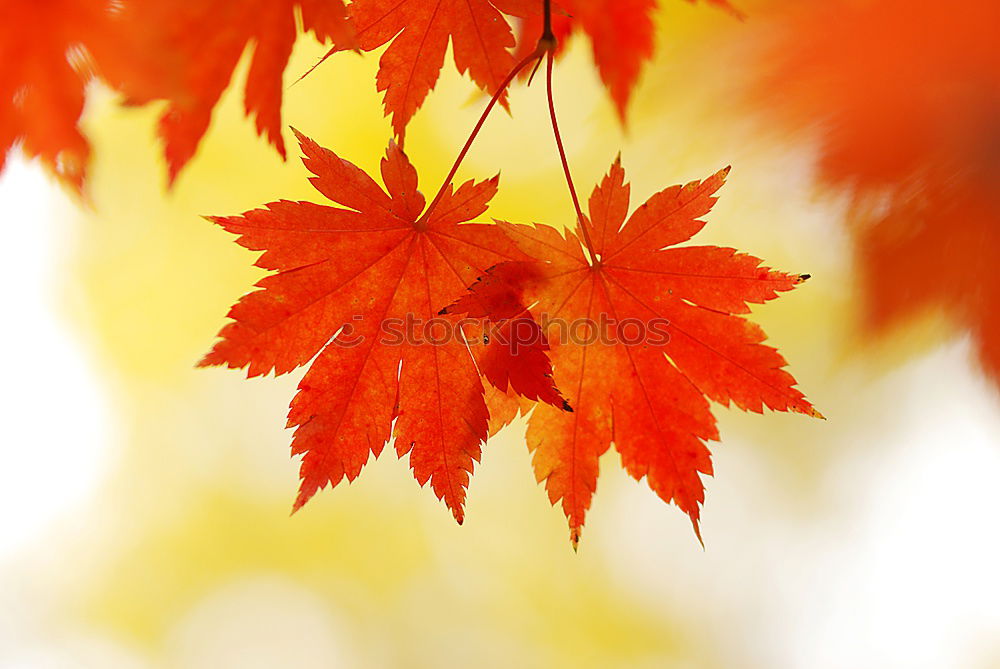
x=622 y=35
x=642 y=337
x=185 y=53
x=907 y=99
x=361 y=286
x=41 y=86
x=419 y=32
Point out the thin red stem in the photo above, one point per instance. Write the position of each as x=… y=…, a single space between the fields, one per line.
x=565 y=163
x=537 y=54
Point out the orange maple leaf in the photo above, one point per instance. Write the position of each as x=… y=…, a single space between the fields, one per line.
x=361 y=286
x=419 y=32
x=185 y=53
x=642 y=338
x=41 y=86
x=907 y=99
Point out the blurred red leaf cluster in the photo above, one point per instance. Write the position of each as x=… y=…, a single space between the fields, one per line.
x=181 y=53
x=184 y=54
x=906 y=97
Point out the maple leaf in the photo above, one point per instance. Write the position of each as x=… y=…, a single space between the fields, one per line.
x=185 y=53
x=351 y=280
x=910 y=124
x=419 y=32
x=41 y=87
x=622 y=36
x=646 y=335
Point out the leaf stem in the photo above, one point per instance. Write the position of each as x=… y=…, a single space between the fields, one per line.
x=547 y=34
x=565 y=163
x=537 y=54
